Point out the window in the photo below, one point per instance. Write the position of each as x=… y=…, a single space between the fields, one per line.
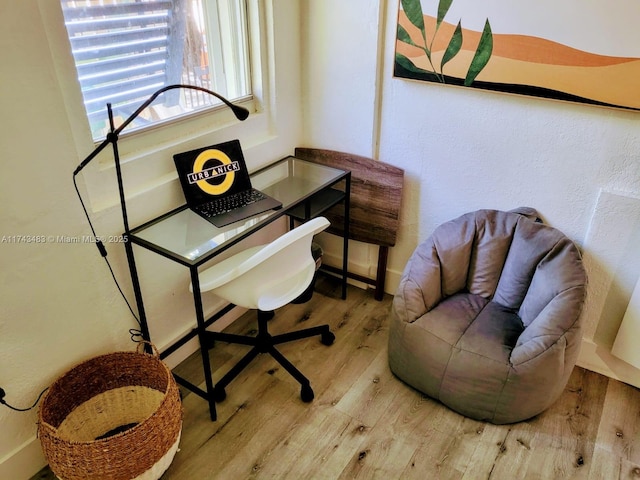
x=124 y=50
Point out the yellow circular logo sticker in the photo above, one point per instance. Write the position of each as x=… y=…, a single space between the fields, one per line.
x=229 y=175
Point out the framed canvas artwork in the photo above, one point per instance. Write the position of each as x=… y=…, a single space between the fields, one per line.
x=587 y=52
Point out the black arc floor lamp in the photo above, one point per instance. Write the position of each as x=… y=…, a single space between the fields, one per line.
x=241 y=114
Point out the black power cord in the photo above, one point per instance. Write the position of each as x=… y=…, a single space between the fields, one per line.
x=3 y=402
x=136 y=334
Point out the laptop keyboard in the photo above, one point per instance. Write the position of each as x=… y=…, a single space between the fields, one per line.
x=231 y=202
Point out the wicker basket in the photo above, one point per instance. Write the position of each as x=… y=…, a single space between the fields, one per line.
x=114 y=417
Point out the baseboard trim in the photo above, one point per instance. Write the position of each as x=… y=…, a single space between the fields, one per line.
x=366 y=270
x=27 y=459
x=193 y=345
x=599 y=359
x=24 y=462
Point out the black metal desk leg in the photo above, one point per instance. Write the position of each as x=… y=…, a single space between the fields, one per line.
x=137 y=291
x=204 y=351
x=345 y=235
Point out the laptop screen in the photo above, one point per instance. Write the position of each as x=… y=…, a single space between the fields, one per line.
x=211 y=172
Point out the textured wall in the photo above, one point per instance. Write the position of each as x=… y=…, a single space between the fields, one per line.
x=464 y=149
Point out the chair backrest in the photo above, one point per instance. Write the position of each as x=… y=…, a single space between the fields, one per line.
x=269 y=276
x=505 y=256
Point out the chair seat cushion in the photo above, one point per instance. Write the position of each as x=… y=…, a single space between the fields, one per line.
x=493 y=333
x=462 y=333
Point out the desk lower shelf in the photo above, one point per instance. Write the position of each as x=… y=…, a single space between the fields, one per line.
x=316 y=204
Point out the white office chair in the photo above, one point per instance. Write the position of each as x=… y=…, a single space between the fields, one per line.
x=267 y=277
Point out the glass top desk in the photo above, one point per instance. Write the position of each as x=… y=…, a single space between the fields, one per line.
x=305 y=189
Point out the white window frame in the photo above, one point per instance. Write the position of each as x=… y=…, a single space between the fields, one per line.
x=224 y=23
x=230 y=55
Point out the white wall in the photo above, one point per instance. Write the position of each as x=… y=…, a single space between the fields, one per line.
x=461 y=149
x=340 y=59
x=464 y=149
x=59 y=304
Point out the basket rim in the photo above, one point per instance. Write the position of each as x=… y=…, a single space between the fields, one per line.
x=171 y=386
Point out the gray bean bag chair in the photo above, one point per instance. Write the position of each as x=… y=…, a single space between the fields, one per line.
x=486 y=316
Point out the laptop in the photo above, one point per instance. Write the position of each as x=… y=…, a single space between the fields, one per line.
x=216 y=184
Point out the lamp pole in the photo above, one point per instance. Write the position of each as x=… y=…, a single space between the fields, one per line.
x=241 y=114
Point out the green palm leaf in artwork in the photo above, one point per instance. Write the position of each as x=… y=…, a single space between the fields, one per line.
x=482 y=55
x=408 y=65
x=413 y=10
x=455 y=44
x=403 y=36
x=443 y=8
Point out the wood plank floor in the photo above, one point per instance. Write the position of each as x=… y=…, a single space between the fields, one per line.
x=364 y=423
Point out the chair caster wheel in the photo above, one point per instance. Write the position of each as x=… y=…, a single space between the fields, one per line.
x=306 y=393
x=219 y=394
x=328 y=338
